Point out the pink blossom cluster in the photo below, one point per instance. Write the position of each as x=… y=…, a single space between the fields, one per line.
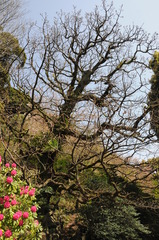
x=13 y=173
x=16 y=201
x=8 y=201
x=25 y=190
x=7 y=233
x=20 y=217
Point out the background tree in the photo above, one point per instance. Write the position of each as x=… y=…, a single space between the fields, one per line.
x=12 y=58
x=153 y=98
x=11 y=15
x=11 y=54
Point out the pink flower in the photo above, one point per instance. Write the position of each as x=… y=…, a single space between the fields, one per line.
x=9 y=180
x=16 y=216
x=13 y=172
x=36 y=222
x=1 y=217
x=7 y=165
x=8 y=234
x=21 y=222
x=19 y=213
x=14 y=165
x=7 y=205
x=25 y=191
x=1 y=232
x=33 y=208
x=32 y=192
x=0 y=159
x=13 y=202
x=6 y=198
x=22 y=190
x=25 y=215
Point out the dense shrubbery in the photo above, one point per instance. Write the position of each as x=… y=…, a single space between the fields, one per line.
x=111 y=221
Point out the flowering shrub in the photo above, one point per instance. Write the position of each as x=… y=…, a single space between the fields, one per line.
x=18 y=207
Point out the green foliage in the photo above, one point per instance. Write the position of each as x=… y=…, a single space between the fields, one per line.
x=94 y=179
x=154 y=63
x=153 y=97
x=52 y=144
x=17 y=101
x=111 y=221
x=10 y=51
x=43 y=142
x=62 y=163
x=154 y=163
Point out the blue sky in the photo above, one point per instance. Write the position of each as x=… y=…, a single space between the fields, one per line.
x=139 y=12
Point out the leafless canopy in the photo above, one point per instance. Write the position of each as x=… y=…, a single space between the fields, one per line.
x=87 y=82
x=10 y=15
x=93 y=71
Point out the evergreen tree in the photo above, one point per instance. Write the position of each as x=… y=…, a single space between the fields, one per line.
x=113 y=221
x=10 y=54
x=153 y=97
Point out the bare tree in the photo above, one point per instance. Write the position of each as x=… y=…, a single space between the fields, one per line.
x=86 y=83
x=11 y=12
